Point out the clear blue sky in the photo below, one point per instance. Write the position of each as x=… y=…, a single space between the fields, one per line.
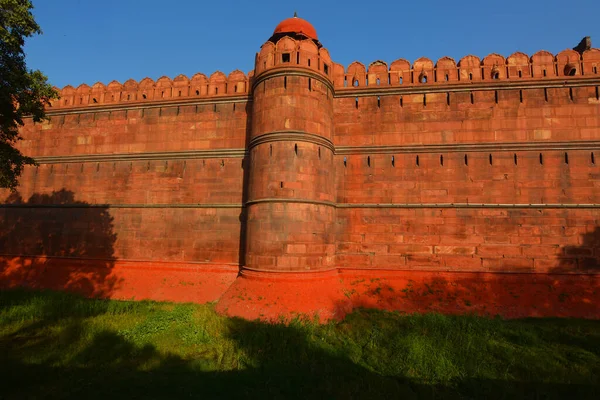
x=86 y=41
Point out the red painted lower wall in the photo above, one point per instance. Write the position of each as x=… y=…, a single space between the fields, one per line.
x=328 y=295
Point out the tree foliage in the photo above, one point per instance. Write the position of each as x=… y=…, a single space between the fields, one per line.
x=23 y=93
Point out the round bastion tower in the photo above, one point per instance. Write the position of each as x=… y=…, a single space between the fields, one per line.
x=291 y=183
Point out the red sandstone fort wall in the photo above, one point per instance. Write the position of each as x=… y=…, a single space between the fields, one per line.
x=482 y=165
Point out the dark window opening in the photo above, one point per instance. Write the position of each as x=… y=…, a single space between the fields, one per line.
x=545 y=73
x=515 y=158
x=424 y=100
x=378 y=102
x=546 y=94
x=496 y=96
x=345 y=81
x=520 y=96
x=566 y=158
x=470 y=76
x=593 y=159
x=466 y=160
x=401 y=101
x=356 y=102
x=197 y=93
x=400 y=80
x=423 y=78
x=442 y=161
x=495 y=75
x=296 y=149
x=281 y=185
x=541 y=159
x=355 y=82
x=369 y=161
x=309 y=62
x=285 y=57
x=472 y=98
x=319 y=153
x=571 y=94
x=595 y=69
x=179 y=95
x=393 y=162
x=446 y=77
x=571 y=71
x=377 y=82
x=297 y=58
x=491 y=160
x=448 y=98
x=326 y=69
x=216 y=90
x=270 y=150
x=345 y=161
x=309 y=84
x=417 y=161
x=285 y=82
x=520 y=74
x=129 y=97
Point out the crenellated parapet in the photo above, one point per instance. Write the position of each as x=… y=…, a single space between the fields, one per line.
x=494 y=67
x=288 y=52
x=147 y=90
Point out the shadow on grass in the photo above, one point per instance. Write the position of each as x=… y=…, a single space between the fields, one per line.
x=370 y=355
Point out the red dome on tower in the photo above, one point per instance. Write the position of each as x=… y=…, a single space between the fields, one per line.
x=298 y=26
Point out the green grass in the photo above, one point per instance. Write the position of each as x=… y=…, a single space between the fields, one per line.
x=56 y=345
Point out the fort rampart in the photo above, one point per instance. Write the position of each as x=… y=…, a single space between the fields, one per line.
x=479 y=176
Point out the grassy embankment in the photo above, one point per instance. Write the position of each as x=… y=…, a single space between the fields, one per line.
x=56 y=345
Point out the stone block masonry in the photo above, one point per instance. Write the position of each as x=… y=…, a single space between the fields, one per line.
x=307 y=187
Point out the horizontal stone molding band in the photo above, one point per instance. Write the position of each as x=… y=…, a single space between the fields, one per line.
x=466 y=148
x=121 y=205
x=144 y=264
x=291 y=71
x=464 y=205
x=466 y=87
x=295 y=136
x=159 y=156
x=143 y=105
x=316 y=202
x=288 y=200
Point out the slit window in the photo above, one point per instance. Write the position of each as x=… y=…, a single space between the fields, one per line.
x=595 y=69
x=326 y=69
x=520 y=74
x=285 y=57
x=442 y=161
x=470 y=76
x=545 y=73
x=546 y=94
x=466 y=160
x=345 y=161
x=356 y=102
x=496 y=96
x=401 y=101
x=571 y=94
x=378 y=102
x=515 y=158
x=296 y=149
x=393 y=162
x=541 y=159
x=417 y=161
x=520 y=96
x=448 y=98
x=400 y=80
x=309 y=62
x=369 y=161
x=472 y=98
x=285 y=82
x=491 y=159
x=309 y=84
x=567 y=158
x=446 y=77
x=592 y=158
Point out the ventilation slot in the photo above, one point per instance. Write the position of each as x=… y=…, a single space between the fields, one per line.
x=424 y=100
x=520 y=96
x=448 y=98
x=393 y=162
x=541 y=159
x=319 y=153
x=401 y=101
x=281 y=185
x=595 y=69
x=593 y=158
x=309 y=84
x=442 y=161
x=546 y=95
x=491 y=160
x=496 y=96
x=369 y=161
x=417 y=161
x=545 y=73
x=520 y=74
x=466 y=160
x=571 y=94
x=377 y=82
x=297 y=58
x=567 y=158
x=472 y=98
x=296 y=149
x=270 y=150
x=470 y=76
x=285 y=82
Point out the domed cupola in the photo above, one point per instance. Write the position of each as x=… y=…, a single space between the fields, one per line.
x=296 y=28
